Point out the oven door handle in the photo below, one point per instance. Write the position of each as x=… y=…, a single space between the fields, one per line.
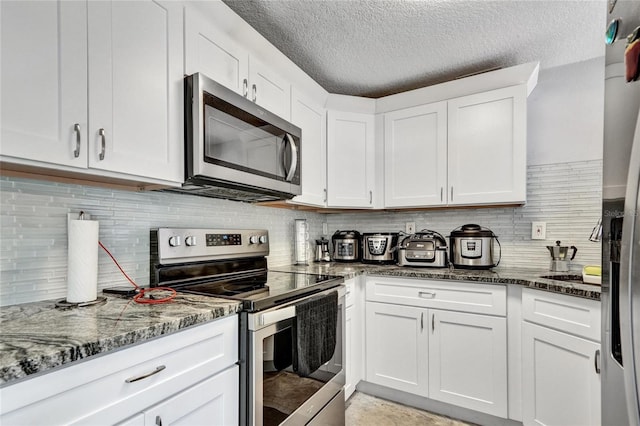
x=276 y=316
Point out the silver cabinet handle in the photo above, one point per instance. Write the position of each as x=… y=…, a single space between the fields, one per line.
x=245 y=87
x=421 y=321
x=433 y=323
x=441 y=194
x=76 y=129
x=103 y=144
x=325 y=195
x=426 y=295
x=452 y=193
x=254 y=92
x=294 y=158
x=144 y=376
x=158 y=421
x=370 y=197
x=596 y=361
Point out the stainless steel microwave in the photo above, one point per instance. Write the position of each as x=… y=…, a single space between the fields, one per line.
x=235 y=149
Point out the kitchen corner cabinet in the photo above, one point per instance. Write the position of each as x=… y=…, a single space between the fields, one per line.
x=560 y=359
x=443 y=341
x=194 y=380
x=215 y=54
x=312 y=119
x=94 y=87
x=465 y=151
x=350 y=159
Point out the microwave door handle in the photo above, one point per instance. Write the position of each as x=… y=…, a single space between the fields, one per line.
x=294 y=158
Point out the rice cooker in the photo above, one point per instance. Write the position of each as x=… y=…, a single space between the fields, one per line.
x=379 y=247
x=472 y=247
x=346 y=246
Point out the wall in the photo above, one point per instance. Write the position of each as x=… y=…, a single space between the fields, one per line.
x=566 y=196
x=565 y=114
x=33 y=243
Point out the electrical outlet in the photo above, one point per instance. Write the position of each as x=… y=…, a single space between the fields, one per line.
x=410 y=227
x=538 y=230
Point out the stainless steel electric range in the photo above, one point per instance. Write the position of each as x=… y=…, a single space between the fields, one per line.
x=291 y=325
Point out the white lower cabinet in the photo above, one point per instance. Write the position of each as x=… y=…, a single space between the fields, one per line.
x=454 y=357
x=560 y=360
x=189 y=377
x=354 y=338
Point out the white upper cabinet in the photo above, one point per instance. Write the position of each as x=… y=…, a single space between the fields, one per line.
x=212 y=52
x=136 y=88
x=350 y=159
x=415 y=156
x=129 y=57
x=487 y=134
x=465 y=151
x=311 y=118
x=44 y=81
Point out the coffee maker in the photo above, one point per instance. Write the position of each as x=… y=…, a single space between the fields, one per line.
x=322 y=250
x=559 y=261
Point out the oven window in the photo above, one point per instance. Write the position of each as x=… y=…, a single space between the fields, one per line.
x=238 y=140
x=283 y=390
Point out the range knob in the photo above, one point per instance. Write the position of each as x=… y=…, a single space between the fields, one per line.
x=174 y=241
x=190 y=241
x=253 y=239
x=263 y=239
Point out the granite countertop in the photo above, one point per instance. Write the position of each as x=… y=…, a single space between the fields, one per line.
x=38 y=336
x=527 y=277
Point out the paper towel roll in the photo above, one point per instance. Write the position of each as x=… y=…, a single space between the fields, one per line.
x=82 y=263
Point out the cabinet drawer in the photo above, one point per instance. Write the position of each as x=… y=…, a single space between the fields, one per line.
x=574 y=315
x=449 y=295
x=103 y=390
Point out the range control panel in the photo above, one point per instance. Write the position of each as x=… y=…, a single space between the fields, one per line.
x=176 y=245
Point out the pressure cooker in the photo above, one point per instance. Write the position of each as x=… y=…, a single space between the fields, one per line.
x=472 y=247
x=379 y=247
x=346 y=246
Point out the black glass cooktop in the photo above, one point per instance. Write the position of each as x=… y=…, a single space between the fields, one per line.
x=262 y=290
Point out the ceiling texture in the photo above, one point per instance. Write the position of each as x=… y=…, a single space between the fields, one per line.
x=374 y=48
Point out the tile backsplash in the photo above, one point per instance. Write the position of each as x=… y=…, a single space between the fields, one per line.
x=33 y=214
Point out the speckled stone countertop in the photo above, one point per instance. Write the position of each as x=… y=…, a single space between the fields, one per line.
x=527 y=277
x=36 y=337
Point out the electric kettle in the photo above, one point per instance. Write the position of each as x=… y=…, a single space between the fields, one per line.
x=559 y=261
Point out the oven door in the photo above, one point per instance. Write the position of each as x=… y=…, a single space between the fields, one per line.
x=232 y=139
x=271 y=392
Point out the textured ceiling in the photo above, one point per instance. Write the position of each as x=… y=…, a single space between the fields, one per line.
x=379 y=47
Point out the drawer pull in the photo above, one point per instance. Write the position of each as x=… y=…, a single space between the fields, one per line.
x=427 y=295
x=596 y=361
x=144 y=376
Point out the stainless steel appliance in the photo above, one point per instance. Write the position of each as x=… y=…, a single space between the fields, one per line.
x=346 y=246
x=322 y=250
x=425 y=249
x=620 y=219
x=379 y=247
x=236 y=149
x=559 y=260
x=472 y=246
x=291 y=324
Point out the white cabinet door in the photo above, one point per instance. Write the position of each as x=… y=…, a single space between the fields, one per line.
x=311 y=118
x=214 y=401
x=397 y=347
x=560 y=385
x=415 y=161
x=44 y=81
x=136 y=88
x=269 y=89
x=350 y=159
x=214 y=54
x=487 y=147
x=468 y=361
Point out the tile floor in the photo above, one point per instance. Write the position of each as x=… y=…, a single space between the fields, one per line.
x=367 y=410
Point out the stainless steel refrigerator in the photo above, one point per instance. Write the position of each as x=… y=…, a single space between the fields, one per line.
x=620 y=220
